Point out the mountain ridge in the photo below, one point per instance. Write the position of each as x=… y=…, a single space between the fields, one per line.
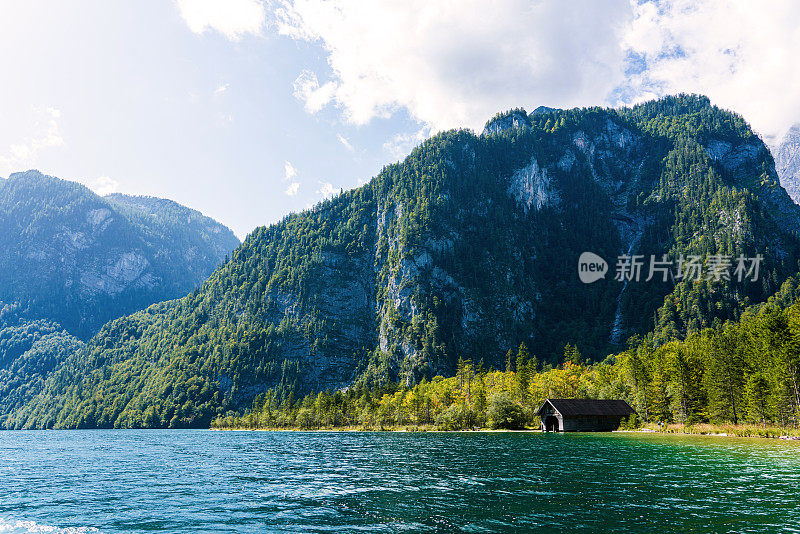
x=463 y=250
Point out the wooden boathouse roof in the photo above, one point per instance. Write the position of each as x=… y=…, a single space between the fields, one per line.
x=595 y=407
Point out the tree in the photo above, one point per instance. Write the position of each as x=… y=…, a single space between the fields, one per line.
x=505 y=412
x=685 y=369
x=572 y=354
x=523 y=375
x=510 y=361
x=757 y=395
x=725 y=376
x=636 y=373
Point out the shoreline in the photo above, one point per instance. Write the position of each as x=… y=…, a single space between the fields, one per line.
x=670 y=432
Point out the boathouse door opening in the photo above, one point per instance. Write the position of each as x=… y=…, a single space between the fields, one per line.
x=551 y=423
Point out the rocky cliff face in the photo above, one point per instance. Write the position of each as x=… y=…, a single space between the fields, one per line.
x=80 y=260
x=787 y=162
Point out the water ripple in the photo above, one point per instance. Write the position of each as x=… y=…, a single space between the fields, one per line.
x=201 y=481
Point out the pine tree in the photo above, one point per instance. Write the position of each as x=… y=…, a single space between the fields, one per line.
x=523 y=375
x=684 y=366
x=509 y=361
x=572 y=354
x=757 y=395
x=725 y=376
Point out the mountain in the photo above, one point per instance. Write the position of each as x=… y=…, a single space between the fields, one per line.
x=464 y=250
x=79 y=260
x=787 y=162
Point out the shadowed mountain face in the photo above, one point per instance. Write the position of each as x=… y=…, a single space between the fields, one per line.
x=70 y=256
x=467 y=248
x=787 y=162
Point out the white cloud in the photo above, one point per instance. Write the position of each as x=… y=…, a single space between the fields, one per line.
x=342 y=139
x=289 y=174
x=289 y=171
x=231 y=18
x=104 y=185
x=293 y=189
x=402 y=144
x=742 y=54
x=46 y=134
x=308 y=90
x=453 y=64
x=457 y=63
x=326 y=189
x=221 y=89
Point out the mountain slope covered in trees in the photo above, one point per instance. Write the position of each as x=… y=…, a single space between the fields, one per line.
x=467 y=248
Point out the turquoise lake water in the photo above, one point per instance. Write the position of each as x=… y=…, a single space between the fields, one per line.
x=204 y=481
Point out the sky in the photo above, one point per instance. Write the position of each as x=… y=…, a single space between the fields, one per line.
x=248 y=110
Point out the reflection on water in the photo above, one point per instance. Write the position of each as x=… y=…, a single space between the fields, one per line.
x=202 y=481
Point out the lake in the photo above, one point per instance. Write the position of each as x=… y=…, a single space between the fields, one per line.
x=204 y=481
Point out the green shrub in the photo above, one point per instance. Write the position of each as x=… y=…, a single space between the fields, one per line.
x=505 y=412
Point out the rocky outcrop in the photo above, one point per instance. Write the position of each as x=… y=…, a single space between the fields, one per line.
x=787 y=162
x=743 y=163
x=516 y=118
x=532 y=187
x=119 y=273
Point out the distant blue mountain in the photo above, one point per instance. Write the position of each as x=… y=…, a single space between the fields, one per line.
x=70 y=256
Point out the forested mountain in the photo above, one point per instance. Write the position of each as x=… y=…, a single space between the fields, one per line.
x=467 y=248
x=72 y=257
x=70 y=261
x=787 y=162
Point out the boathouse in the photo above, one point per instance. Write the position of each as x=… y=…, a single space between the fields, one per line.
x=583 y=415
